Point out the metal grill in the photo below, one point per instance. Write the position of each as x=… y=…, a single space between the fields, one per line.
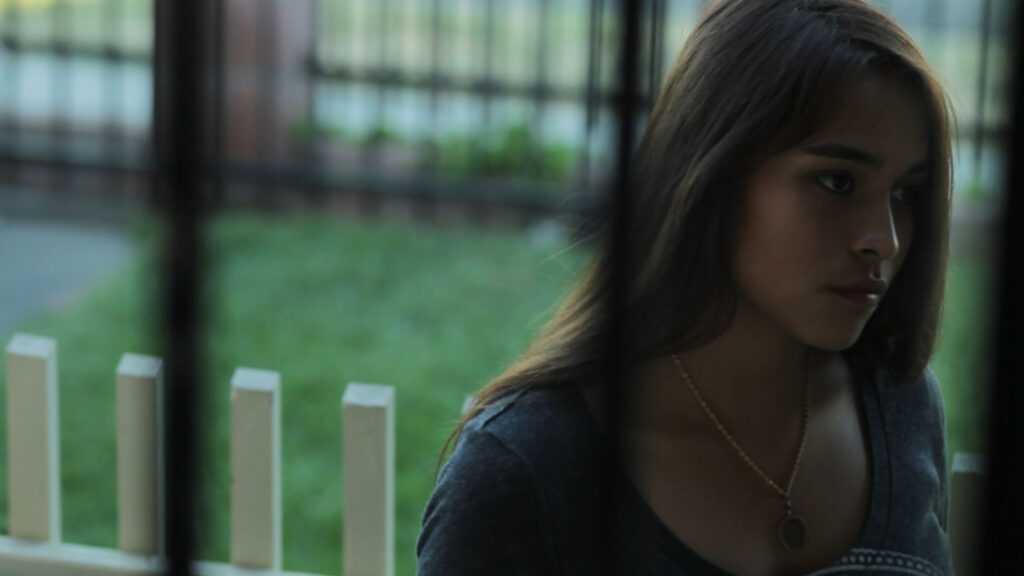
x=360 y=103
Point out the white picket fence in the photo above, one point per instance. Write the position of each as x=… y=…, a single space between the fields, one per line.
x=34 y=547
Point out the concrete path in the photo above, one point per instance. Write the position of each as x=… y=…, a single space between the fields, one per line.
x=44 y=264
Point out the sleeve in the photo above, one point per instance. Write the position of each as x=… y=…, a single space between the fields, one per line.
x=941 y=450
x=484 y=516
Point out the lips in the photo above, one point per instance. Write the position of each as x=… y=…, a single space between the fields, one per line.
x=863 y=291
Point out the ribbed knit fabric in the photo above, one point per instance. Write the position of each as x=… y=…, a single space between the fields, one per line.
x=529 y=491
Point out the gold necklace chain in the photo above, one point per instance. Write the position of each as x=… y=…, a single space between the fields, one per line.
x=803 y=429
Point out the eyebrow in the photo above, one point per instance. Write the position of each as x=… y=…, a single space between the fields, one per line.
x=844 y=152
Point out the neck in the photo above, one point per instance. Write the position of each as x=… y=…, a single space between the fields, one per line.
x=749 y=375
x=744 y=373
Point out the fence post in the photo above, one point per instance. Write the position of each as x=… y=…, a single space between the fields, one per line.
x=368 y=466
x=33 y=438
x=256 y=469
x=966 y=499
x=140 y=457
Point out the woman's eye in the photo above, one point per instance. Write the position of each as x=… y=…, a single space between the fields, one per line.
x=904 y=194
x=836 y=182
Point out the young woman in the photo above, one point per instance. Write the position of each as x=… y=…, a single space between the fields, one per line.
x=786 y=260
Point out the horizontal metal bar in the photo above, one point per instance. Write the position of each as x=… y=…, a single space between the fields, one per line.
x=103 y=152
x=479 y=85
x=473 y=190
x=99 y=155
x=65 y=49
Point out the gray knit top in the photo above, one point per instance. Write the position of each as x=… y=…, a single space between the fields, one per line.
x=529 y=490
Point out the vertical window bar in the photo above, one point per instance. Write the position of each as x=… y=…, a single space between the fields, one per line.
x=657 y=47
x=113 y=132
x=325 y=40
x=593 y=100
x=488 y=79
x=313 y=190
x=217 y=192
x=543 y=86
x=384 y=71
x=979 y=126
x=651 y=47
x=1003 y=538
x=435 y=71
x=267 y=95
x=370 y=151
x=178 y=50
x=435 y=85
x=59 y=132
x=350 y=63
x=626 y=108
x=356 y=35
x=158 y=65
x=467 y=13
x=409 y=59
x=12 y=57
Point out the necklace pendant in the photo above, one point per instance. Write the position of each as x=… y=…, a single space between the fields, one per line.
x=792 y=533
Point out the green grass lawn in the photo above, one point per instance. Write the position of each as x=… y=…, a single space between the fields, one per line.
x=434 y=313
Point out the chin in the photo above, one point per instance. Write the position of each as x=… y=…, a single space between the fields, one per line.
x=837 y=341
x=834 y=345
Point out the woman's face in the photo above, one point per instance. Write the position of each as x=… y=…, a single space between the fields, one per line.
x=824 y=226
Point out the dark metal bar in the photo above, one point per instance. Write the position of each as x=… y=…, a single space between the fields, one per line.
x=617 y=351
x=471 y=47
x=657 y=47
x=114 y=165
x=383 y=39
x=408 y=60
x=19 y=153
x=113 y=86
x=488 y=77
x=11 y=121
x=355 y=37
x=594 y=62
x=543 y=47
x=1003 y=537
x=219 y=24
x=179 y=63
x=60 y=123
x=434 y=79
x=268 y=77
x=308 y=150
x=434 y=147
x=593 y=87
x=158 y=64
x=371 y=151
x=57 y=49
x=986 y=17
x=325 y=27
x=652 y=41
x=442 y=82
x=479 y=191
x=384 y=62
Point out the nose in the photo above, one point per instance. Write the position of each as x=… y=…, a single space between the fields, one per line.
x=877 y=237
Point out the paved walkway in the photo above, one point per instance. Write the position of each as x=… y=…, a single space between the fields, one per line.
x=44 y=264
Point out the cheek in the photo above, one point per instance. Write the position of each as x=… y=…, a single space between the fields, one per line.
x=775 y=238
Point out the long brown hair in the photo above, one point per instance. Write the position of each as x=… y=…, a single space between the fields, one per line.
x=754 y=78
